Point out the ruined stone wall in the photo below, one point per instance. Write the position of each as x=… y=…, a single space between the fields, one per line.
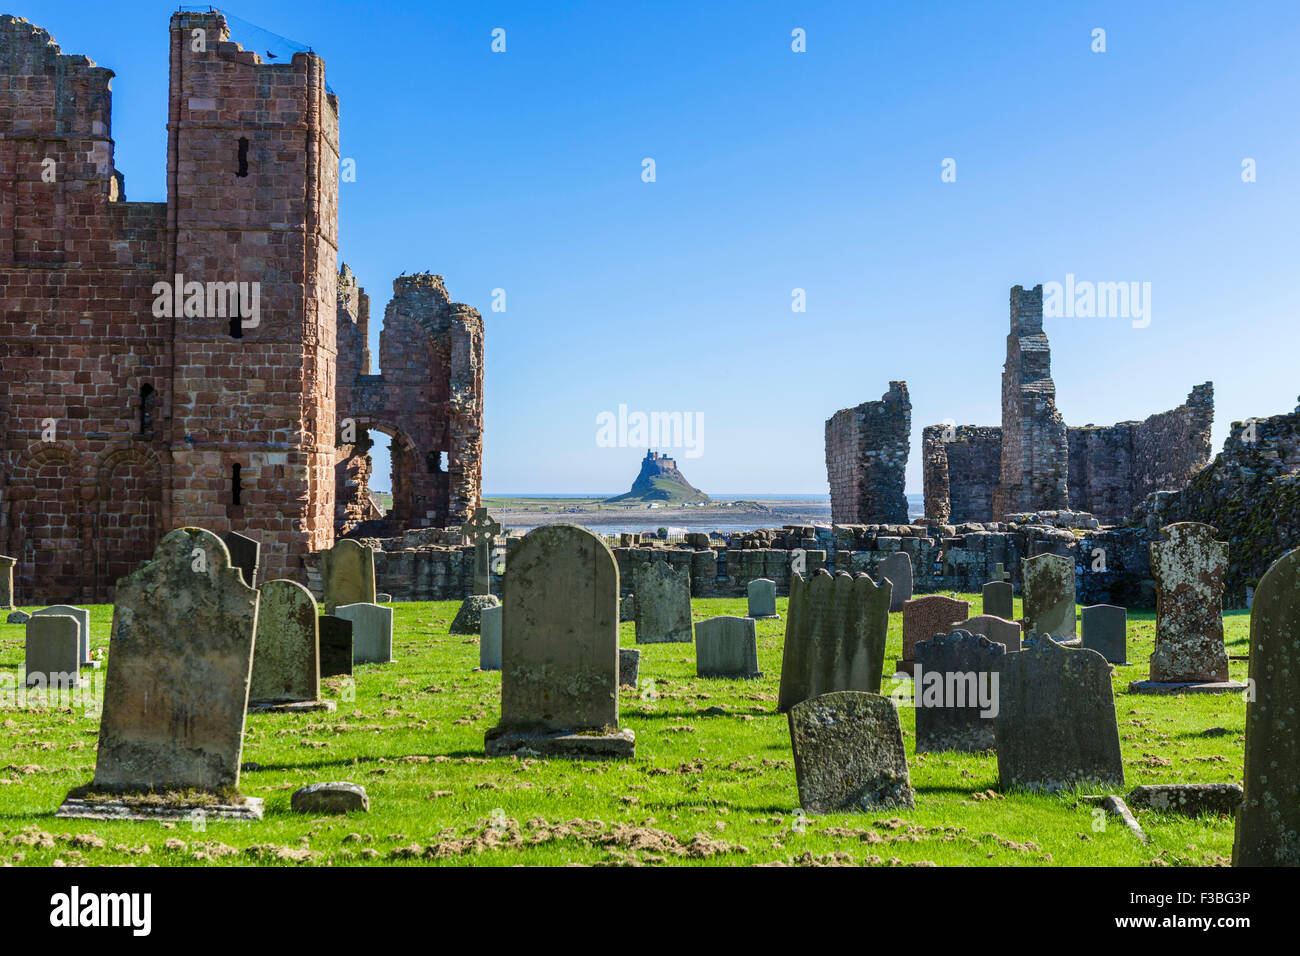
x=961 y=472
x=866 y=457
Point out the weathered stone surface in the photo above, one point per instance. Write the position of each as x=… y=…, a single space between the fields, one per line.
x=897 y=570
x=468 y=619
x=489 y=638
x=181 y=651
x=559 y=648
x=480 y=530
x=1190 y=799
x=244 y=554
x=335 y=646
x=762 y=598
x=663 y=603
x=53 y=651
x=7 y=582
x=629 y=666
x=83 y=626
x=1056 y=720
x=835 y=632
x=1189 y=567
x=1268 y=823
x=1105 y=630
x=866 y=458
x=347 y=574
x=726 y=647
x=1048 y=590
x=999 y=600
x=848 y=753
x=18 y=617
x=340 y=797
x=923 y=618
x=286 y=654
x=956 y=692
x=627 y=608
x=996 y=629
x=372 y=632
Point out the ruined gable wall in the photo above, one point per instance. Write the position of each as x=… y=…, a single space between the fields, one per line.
x=968 y=467
x=866 y=458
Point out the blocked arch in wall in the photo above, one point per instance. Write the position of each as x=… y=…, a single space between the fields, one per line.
x=46 y=523
x=128 y=516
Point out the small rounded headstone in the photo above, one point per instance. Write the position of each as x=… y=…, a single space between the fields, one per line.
x=341 y=797
x=469 y=618
x=18 y=617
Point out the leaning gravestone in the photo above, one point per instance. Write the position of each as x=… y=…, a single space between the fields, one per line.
x=762 y=598
x=7 y=582
x=244 y=554
x=53 y=650
x=848 y=753
x=1056 y=724
x=1048 y=585
x=335 y=646
x=835 y=632
x=489 y=639
x=956 y=692
x=347 y=574
x=996 y=629
x=286 y=653
x=1105 y=630
x=83 y=627
x=176 y=691
x=897 y=570
x=999 y=598
x=372 y=632
x=1190 y=656
x=663 y=603
x=559 y=649
x=726 y=647
x=923 y=618
x=1268 y=823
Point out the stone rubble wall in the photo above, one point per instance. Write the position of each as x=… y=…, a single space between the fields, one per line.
x=866 y=458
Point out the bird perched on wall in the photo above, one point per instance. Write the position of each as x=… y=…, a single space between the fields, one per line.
x=271 y=56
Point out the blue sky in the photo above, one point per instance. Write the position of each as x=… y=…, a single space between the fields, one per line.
x=778 y=170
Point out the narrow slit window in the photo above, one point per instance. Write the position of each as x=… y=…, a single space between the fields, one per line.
x=237 y=319
x=236 y=483
x=146 y=409
x=243 y=157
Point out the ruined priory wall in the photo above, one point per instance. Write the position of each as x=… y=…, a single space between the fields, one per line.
x=866 y=458
x=961 y=474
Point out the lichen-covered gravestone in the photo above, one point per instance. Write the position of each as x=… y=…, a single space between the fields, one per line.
x=835 y=632
x=897 y=570
x=1047 y=582
x=53 y=650
x=762 y=598
x=663 y=603
x=726 y=647
x=1268 y=823
x=559 y=649
x=999 y=598
x=83 y=627
x=176 y=691
x=923 y=618
x=372 y=632
x=335 y=646
x=347 y=574
x=286 y=654
x=480 y=530
x=489 y=639
x=996 y=629
x=629 y=666
x=1105 y=630
x=848 y=753
x=1056 y=724
x=956 y=692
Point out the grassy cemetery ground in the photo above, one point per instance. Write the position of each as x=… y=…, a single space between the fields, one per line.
x=712 y=782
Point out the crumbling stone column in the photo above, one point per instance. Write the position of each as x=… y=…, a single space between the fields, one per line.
x=866 y=457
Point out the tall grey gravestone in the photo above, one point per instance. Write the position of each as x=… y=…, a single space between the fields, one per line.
x=1268 y=822
x=663 y=603
x=999 y=598
x=489 y=639
x=897 y=570
x=83 y=628
x=559 y=649
x=956 y=692
x=762 y=598
x=1056 y=724
x=52 y=652
x=1105 y=630
x=1189 y=567
x=726 y=647
x=372 y=632
x=286 y=654
x=835 y=632
x=347 y=574
x=1047 y=582
x=848 y=753
x=244 y=554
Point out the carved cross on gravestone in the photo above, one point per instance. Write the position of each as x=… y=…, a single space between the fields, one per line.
x=480 y=530
x=999 y=573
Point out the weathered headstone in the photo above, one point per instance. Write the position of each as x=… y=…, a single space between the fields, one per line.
x=335 y=646
x=469 y=617
x=7 y=582
x=726 y=647
x=996 y=629
x=835 y=632
x=1268 y=823
x=337 y=797
x=244 y=554
x=999 y=598
x=629 y=666
x=286 y=654
x=489 y=639
x=923 y=618
x=1105 y=630
x=481 y=529
x=848 y=753
x=181 y=651
x=956 y=692
x=663 y=603
x=559 y=649
x=347 y=574
x=1189 y=567
x=1056 y=720
x=897 y=570
x=1047 y=582
x=1189 y=799
x=372 y=632
x=762 y=598
x=83 y=628
x=53 y=651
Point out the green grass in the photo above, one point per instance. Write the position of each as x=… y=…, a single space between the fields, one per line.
x=712 y=782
